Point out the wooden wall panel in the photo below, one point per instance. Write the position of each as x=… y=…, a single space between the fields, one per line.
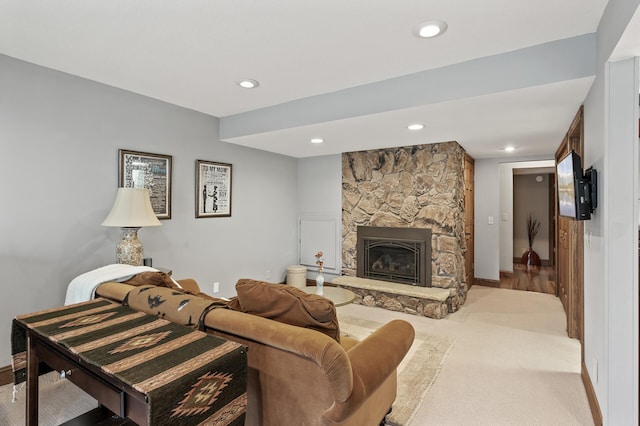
x=570 y=246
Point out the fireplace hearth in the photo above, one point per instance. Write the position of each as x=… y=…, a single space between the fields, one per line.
x=398 y=255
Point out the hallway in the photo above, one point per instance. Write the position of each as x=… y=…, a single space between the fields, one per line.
x=540 y=279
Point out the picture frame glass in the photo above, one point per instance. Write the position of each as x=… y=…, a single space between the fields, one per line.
x=150 y=171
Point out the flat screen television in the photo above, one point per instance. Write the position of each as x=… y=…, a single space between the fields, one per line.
x=576 y=192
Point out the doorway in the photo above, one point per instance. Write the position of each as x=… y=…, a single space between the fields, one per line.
x=533 y=200
x=506 y=219
x=533 y=229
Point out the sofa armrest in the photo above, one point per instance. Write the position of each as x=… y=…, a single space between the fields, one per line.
x=372 y=361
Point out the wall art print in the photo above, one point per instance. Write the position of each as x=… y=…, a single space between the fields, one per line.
x=213 y=189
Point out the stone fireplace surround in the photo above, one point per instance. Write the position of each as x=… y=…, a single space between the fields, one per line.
x=407 y=187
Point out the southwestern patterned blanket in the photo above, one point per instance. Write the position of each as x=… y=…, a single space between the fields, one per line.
x=188 y=376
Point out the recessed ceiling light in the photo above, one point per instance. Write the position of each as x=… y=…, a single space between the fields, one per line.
x=415 y=126
x=247 y=83
x=317 y=140
x=509 y=148
x=431 y=28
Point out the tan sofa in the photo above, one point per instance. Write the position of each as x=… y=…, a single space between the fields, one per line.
x=301 y=376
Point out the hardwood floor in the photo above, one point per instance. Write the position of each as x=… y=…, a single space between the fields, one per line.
x=539 y=279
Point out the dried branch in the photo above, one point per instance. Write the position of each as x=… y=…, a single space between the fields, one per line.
x=533 y=226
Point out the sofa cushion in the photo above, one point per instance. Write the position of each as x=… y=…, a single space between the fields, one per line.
x=172 y=305
x=286 y=304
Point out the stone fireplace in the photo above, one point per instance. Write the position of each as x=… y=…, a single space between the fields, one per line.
x=416 y=187
x=398 y=255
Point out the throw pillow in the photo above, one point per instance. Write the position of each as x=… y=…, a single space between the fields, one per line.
x=159 y=279
x=286 y=304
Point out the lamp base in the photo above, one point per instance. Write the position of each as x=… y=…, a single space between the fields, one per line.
x=129 y=249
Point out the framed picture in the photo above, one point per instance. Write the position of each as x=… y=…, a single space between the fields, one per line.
x=150 y=171
x=213 y=189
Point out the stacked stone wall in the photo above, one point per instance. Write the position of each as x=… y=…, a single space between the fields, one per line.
x=419 y=186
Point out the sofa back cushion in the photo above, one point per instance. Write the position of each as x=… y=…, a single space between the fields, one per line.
x=286 y=304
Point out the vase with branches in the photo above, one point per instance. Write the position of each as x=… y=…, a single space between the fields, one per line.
x=531 y=258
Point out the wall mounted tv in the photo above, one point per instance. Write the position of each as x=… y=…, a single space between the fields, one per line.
x=577 y=192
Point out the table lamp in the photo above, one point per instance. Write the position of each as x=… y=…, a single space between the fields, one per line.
x=131 y=211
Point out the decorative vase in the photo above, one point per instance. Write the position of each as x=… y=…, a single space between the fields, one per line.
x=319 y=284
x=530 y=258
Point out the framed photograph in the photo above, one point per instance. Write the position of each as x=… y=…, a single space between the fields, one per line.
x=213 y=189
x=150 y=171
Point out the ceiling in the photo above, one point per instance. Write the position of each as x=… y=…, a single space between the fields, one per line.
x=353 y=73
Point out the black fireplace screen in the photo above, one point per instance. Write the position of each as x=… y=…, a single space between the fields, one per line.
x=400 y=255
x=392 y=261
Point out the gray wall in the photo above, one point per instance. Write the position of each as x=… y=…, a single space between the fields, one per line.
x=59 y=141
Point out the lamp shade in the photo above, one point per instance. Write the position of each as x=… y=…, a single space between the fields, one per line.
x=132 y=209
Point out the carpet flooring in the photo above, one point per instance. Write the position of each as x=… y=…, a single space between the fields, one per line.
x=60 y=401
x=503 y=359
x=512 y=362
x=417 y=372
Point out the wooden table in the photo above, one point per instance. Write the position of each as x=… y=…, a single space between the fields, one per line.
x=338 y=295
x=137 y=366
x=111 y=393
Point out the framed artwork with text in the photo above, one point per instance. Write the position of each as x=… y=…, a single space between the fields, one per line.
x=213 y=189
x=150 y=171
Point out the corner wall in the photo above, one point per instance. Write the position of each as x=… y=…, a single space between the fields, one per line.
x=60 y=137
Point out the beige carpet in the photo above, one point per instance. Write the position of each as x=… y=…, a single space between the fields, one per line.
x=512 y=362
x=60 y=401
x=417 y=372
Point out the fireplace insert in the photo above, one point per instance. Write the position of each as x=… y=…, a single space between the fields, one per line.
x=399 y=255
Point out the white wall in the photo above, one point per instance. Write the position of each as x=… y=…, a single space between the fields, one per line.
x=611 y=251
x=594 y=342
x=59 y=141
x=320 y=195
x=611 y=268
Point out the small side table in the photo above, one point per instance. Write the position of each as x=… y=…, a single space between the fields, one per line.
x=339 y=296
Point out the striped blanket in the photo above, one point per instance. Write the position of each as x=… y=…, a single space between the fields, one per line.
x=188 y=376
